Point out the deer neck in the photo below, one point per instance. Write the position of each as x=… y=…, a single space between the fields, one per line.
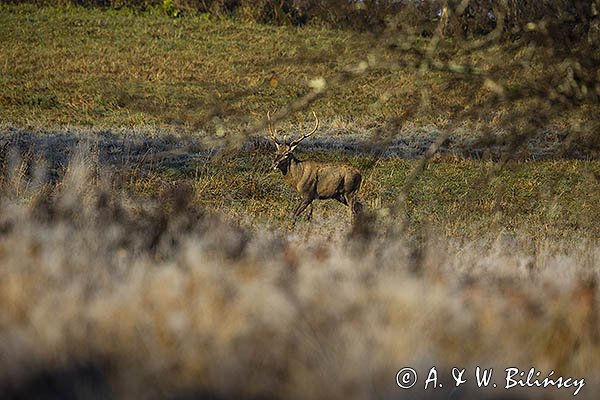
x=292 y=170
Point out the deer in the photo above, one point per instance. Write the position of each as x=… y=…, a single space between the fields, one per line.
x=314 y=180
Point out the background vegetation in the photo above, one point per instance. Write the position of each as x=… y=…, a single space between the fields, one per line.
x=145 y=246
x=116 y=68
x=574 y=20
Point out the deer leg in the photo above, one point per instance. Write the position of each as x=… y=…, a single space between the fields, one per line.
x=341 y=199
x=357 y=209
x=354 y=205
x=351 y=206
x=309 y=212
x=301 y=207
x=351 y=189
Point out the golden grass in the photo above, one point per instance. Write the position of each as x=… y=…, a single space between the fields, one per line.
x=158 y=279
x=78 y=66
x=122 y=297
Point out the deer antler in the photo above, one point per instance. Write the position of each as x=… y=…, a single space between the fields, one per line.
x=297 y=141
x=272 y=134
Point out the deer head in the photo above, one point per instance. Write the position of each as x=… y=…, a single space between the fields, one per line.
x=283 y=152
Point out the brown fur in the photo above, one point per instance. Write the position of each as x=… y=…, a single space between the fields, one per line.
x=319 y=181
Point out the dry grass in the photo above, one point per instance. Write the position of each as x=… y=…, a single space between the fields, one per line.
x=105 y=295
x=453 y=196
x=77 y=66
x=135 y=263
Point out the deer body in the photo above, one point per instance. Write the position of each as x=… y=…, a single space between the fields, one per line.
x=321 y=180
x=314 y=180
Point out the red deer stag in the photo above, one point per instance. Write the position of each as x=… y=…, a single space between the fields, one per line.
x=316 y=180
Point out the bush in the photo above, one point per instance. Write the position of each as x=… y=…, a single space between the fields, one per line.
x=567 y=20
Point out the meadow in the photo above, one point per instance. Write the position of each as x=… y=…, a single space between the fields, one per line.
x=146 y=249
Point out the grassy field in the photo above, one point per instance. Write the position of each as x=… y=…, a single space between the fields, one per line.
x=106 y=295
x=196 y=75
x=459 y=198
x=111 y=68
x=451 y=196
x=145 y=255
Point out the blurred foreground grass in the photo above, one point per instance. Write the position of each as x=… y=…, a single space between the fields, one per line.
x=108 y=295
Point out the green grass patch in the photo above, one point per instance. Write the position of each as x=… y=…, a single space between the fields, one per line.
x=456 y=198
